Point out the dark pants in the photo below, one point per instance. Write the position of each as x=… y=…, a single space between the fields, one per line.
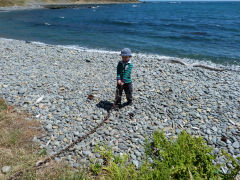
x=127 y=87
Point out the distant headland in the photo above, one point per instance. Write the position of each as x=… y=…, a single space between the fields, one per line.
x=59 y=3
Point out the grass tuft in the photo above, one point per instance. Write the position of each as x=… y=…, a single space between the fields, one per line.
x=3 y=105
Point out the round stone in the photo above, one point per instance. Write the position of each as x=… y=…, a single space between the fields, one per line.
x=21 y=91
x=236 y=145
x=136 y=163
x=6 y=169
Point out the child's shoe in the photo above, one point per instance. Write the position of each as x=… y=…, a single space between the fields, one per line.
x=118 y=106
x=129 y=103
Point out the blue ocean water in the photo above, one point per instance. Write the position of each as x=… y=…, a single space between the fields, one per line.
x=205 y=31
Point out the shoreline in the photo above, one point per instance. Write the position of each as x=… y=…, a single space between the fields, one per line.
x=168 y=59
x=52 y=84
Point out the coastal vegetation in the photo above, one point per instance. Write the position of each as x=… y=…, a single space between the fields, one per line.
x=4 y=3
x=185 y=157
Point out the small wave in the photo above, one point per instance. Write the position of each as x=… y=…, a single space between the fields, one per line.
x=123 y=22
x=81 y=48
x=38 y=43
x=62 y=17
x=94 y=7
x=166 y=23
x=232 y=29
x=199 y=33
x=218 y=26
x=181 y=37
x=47 y=24
x=171 y=19
x=174 y=2
x=119 y=22
x=180 y=26
x=134 y=5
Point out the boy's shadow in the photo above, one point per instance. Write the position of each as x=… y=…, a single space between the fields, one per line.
x=106 y=105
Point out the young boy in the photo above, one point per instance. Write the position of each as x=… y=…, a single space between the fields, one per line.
x=124 y=81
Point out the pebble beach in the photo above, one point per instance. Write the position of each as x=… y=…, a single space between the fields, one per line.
x=53 y=83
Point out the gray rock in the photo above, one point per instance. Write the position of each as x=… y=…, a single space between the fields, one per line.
x=49 y=127
x=221 y=143
x=100 y=161
x=122 y=146
x=216 y=150
x=209 y=142
x=134 y=140
x=83 y=161
x=133 y=156
x=229 y=142
x=214 y=139
x=57 y=159
x=76 y=165
x=21 y=91
x=209 y=132
x=86 y=153
x=76 y=133
x=138 y=153
x=35 y=139
x=6 y=169
x=136 y=163
x=236 y=145
x=178 y=131
x=80 y=146
x=236 y=151
x=97 y=155
x=214 y=128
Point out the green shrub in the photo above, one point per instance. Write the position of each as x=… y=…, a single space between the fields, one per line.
x=114 y=167
x=186 y=157
x=235 y=169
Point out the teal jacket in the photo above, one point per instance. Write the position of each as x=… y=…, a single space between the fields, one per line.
x=124 y=71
